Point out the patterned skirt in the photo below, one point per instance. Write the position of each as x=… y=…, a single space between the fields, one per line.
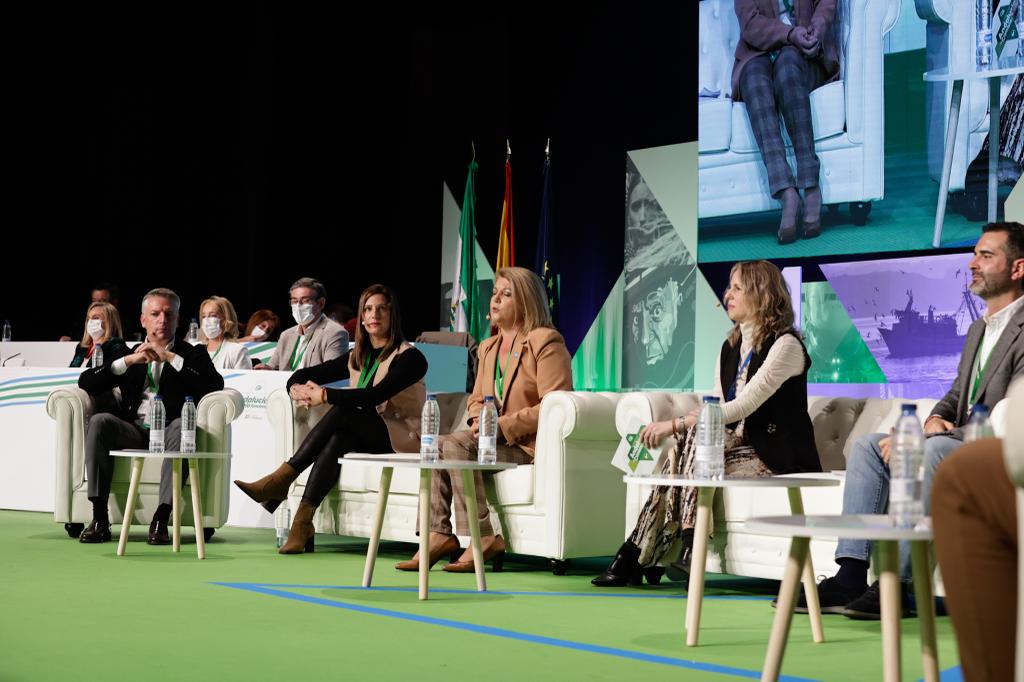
x=669 y=510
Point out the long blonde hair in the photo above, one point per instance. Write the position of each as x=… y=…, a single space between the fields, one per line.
x=529 y=296
x=111 y=324
x=767 y=297
x=229 y=328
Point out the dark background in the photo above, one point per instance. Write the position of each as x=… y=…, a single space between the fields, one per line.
x=230 y=150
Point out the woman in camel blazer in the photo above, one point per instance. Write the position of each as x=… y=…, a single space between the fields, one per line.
x=521 y=364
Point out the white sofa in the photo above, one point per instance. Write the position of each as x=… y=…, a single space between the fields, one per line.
x=848 y=117
x=567 y=504
x=71 y=409
x=838 y=423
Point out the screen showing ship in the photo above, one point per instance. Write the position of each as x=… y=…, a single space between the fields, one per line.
x=914 y=335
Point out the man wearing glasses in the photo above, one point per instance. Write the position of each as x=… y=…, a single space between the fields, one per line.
x=315 y=338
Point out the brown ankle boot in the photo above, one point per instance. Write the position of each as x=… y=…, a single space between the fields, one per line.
x=272 y=489
x=300 y=537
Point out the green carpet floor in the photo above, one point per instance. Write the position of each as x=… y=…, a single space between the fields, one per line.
x=73 y=611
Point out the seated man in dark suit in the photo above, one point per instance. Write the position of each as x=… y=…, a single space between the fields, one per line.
x=162 y=366
x=992 y=357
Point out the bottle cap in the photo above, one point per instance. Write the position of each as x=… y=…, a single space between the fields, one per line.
x=188 y=399
x=431 y=396
x=711 y=399
x=488 y=398
x=908 y=408
x=156 y=397
x=979 y=409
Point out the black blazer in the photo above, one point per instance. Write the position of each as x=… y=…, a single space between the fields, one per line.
x=780 y=430
x=196 y=378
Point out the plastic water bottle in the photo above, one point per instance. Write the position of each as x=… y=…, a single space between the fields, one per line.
x=7 y=331
x=97 y=356
x=709 y=456
x=983 y=24
x=156 y=424
x=487 y=450
x=430 y=427
x=188 y=426
x=906 y=470
x=1020 y=28
x=282 y=523
x=979 y=425
x=193 y=332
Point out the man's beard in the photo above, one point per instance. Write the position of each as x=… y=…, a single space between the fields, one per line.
x=991 y=286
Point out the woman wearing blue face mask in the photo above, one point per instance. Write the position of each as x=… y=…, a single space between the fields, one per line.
x=218 y=329
x=102 y=331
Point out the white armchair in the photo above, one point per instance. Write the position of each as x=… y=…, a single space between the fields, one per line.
x=848 y=117
x=71 y=408
x=567 y=504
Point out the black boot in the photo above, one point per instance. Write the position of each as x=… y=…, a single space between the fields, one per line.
x=624 y=569
x=679 y=570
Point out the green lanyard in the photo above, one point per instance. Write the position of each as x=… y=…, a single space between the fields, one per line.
x=294 y=362
x=367 y=374
x=217 y=352
x=981 y=370
x=499 y=376
x=150 y=380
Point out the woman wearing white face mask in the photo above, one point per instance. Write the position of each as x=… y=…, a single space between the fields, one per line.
x=218 y=329
x=264 y=326
x=102 y=330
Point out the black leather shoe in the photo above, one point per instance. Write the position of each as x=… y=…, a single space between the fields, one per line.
x=624 y=569
x=679 y=570
x=868 y=606
x=158 y=533
x=95 y=532
x=208 y=533
x=832 y=597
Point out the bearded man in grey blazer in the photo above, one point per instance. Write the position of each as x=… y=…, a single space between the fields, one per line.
x=992 y=357
x=315 y=338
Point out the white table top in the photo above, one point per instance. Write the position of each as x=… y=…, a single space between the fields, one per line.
x=853 y=526
x=1007 y=66
x=170 y=454
x=412 y=461
x=679 y=481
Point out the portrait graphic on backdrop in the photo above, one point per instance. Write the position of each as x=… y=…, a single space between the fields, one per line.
x=659 y=294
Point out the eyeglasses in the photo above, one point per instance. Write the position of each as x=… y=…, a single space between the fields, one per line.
x=303 y=301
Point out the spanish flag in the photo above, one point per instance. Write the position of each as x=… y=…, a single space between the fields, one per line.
x=506 y=236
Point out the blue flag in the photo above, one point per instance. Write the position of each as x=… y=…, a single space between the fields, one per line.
x=546 y=265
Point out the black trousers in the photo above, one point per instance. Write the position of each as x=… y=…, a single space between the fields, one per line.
x=340 y=431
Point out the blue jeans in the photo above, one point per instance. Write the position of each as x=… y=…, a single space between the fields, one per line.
x=867 y=489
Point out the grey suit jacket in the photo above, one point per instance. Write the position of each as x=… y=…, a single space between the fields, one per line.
x=328 y=341
x=1005 y=363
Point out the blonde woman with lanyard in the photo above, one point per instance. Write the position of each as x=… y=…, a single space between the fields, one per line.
x=762 y=377
x=378 y=412
x=525 y=361
x=218 y=329
x=102 y=330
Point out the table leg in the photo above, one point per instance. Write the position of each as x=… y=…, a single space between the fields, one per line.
x=993 y=145
x=378 y=524
x=197 y=506
x=698 y=562
x=176 y=504
x=473 y=512
x=889 y=587
x=784 y=609
x=425 y=475
x=129 y=507
x=922 y=567
x=796 y=506
x=947 y=158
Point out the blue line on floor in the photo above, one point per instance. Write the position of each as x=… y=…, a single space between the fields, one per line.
x=507 y=634
x=620 y=595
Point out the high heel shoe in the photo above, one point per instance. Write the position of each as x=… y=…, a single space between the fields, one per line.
x=790 y=212
x=811 y=227
x=624 y=568
x=679 y=570
x=449 y=546
x=272 y=489
x=495 y=554
x=653 y=574
x=300 y=537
